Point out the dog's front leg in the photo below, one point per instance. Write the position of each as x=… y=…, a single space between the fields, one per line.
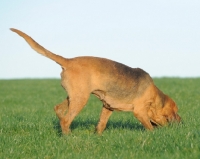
x=61 y=108
x=142 y=116
x=105 y=115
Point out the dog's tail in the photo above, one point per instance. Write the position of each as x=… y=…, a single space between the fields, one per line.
x=40 y=49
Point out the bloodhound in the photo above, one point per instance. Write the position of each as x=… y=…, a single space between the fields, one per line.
x=118 y=86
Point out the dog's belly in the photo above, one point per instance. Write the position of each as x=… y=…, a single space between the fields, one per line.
x=113 y=103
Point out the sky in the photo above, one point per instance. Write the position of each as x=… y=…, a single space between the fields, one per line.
x=161 y=37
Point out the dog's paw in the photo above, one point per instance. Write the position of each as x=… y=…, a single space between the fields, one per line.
x=98 y=131
x=66 y=132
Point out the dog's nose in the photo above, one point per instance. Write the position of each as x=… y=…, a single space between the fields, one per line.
x=178 y=118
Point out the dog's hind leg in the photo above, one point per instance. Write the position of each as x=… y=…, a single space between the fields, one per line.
x=76 y=103
x=105 y=115
x=61 y=108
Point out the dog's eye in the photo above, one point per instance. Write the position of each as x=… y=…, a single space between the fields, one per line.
x=166 y=117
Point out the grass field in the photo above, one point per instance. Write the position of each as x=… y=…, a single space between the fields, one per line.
x=30 y=129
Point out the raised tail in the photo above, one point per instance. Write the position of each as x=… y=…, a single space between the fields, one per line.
x=40 y=49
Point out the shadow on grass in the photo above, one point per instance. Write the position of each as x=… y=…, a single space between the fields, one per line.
x=91 y=124
x=125 y=125
x=56 y=126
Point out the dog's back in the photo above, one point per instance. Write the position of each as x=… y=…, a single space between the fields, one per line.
x=118 y=80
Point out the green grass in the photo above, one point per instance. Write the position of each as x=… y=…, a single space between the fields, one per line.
x=29 y=127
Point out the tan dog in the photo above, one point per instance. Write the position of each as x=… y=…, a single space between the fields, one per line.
x=119 y=87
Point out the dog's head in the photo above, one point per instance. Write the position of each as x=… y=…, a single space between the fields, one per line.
x=170 y=111
x=166 y=113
